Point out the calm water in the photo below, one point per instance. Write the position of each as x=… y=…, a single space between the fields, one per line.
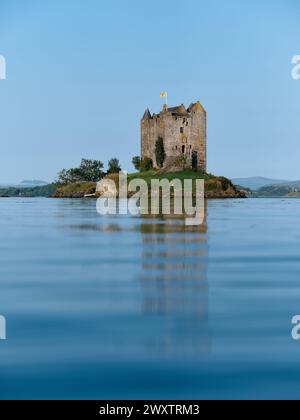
x=128 y=307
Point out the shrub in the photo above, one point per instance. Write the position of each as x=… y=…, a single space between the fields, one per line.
x=146 y=164
x=136 y=161
x=181 y=162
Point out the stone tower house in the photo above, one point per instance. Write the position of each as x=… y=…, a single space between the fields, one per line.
x=183 y=132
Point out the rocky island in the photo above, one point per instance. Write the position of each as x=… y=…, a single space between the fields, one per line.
x=215 y=187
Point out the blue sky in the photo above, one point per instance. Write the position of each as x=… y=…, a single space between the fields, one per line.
x=80 y=74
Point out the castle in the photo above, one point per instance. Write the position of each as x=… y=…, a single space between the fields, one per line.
x=184 y=135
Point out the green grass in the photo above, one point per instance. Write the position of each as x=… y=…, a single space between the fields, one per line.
x=212 y=183
x=215 y=187
x=148 y=176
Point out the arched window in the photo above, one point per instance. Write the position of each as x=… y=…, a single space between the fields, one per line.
x=183 y=149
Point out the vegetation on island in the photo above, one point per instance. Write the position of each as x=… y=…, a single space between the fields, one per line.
x=142 y=165
x=215 y=187
x=136 y=162
x=114 y=166
x=75 y=190
x=88 y=171
x=81 y=181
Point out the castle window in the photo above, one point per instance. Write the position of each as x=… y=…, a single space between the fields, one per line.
x=183 y=150
x=181 y=130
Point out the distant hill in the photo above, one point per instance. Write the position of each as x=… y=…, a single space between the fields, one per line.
x=33 y=183
x=291 y=189
x=24 y=184
x=255 y=183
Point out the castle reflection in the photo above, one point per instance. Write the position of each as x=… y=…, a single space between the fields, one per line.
x=174 y=284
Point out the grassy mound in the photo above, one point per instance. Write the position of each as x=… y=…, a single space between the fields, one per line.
x=215 y=187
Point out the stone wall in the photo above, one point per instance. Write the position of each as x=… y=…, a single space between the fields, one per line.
x=183 y=132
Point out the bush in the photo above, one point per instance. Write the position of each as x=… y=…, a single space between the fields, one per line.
x=136 y=161
x=146 y=164
x=181 y=162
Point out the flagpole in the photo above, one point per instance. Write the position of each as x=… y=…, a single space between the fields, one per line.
x=164 y=96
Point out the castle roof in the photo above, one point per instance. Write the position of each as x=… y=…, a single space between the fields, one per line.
x=147 y=115
x=196 y=106
x=178 y=110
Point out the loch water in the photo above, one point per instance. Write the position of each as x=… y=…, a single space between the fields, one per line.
x=128 y=307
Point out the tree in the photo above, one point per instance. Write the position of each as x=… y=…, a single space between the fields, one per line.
x=136 y=161
x=114 y=166
x=88 y=171
x=195 y=160
x=146 y=164
x=160 y=152
x=69 y=176
x=63 y=177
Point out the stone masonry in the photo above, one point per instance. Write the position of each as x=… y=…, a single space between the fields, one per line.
x=183 y=132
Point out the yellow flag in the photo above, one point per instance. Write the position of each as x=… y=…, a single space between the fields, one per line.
x=164 y=95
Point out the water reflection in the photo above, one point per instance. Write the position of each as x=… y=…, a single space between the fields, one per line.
x=160 y=264
x=174 y=283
